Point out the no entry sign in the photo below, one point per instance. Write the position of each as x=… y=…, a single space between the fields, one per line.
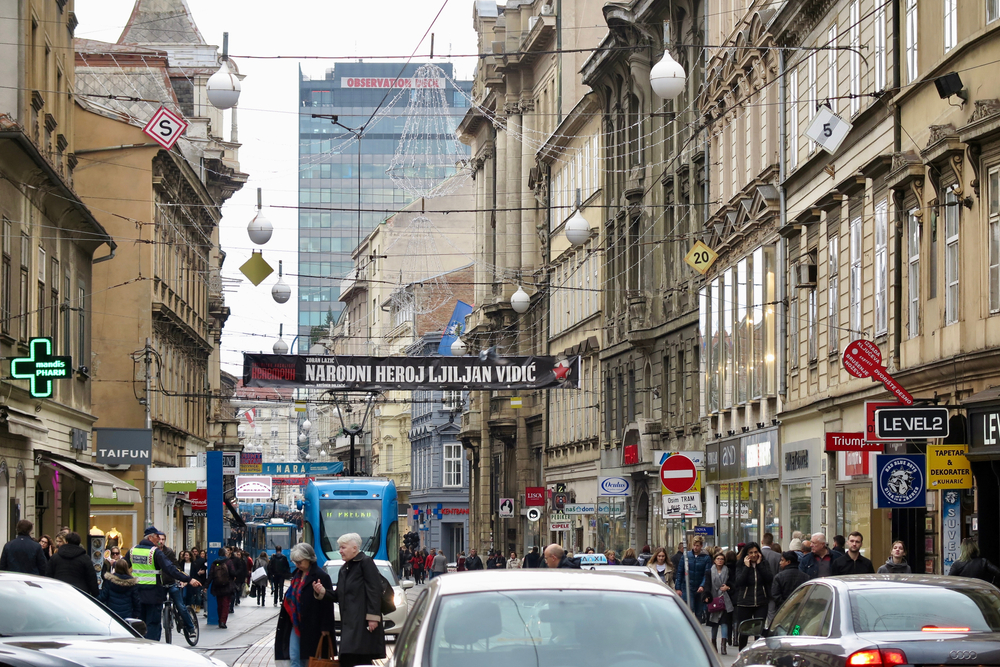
x=862 y=359
x=678 y=474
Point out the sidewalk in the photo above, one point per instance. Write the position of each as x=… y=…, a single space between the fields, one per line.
x=248 y=626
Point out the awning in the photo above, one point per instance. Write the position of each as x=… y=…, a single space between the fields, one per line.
x=21 y=423
x=104 y=484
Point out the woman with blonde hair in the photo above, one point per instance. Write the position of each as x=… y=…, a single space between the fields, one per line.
x=610 y=555
x=660 y=566
x=630 y=558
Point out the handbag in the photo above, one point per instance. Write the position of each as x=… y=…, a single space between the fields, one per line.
x=717 y=604
x=327 y=657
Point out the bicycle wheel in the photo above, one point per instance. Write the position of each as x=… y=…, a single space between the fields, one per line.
x=167 y=621
x=192 y=635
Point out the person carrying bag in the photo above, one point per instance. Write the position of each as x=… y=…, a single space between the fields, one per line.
x=306 y=612
x=359 y=594
x=325 y=655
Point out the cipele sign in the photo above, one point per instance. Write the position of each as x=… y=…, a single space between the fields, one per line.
x=850 y=442
x=375 y=82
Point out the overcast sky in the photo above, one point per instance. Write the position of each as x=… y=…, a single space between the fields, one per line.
x=268 y=114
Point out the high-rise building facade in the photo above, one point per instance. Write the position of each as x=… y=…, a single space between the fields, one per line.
x=333 y=165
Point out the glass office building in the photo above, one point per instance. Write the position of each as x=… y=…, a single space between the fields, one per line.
x=330 y=226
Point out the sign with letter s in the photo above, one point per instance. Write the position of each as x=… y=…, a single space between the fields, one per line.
x=165 y=127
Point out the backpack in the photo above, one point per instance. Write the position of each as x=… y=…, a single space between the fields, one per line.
x=220 y=576
x=388 y=596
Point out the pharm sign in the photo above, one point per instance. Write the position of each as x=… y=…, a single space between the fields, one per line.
x=377 y=82
x=41 y=368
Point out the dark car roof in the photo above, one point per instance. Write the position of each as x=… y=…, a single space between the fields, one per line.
x=874 y=581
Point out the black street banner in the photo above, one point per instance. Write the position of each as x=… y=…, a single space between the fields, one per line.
x=385 y=373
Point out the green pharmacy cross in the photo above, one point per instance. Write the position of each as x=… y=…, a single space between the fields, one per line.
x=41 y=367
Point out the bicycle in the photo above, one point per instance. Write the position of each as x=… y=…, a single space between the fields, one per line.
x=172 y=618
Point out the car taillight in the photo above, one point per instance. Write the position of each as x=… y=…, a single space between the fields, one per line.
x=887 y=657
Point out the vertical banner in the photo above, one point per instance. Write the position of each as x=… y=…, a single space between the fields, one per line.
x=456 y=325
x=951 y=524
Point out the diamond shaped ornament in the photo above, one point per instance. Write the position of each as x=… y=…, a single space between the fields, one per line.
x=256 y=269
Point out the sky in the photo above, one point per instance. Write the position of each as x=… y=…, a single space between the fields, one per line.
x=268 y=115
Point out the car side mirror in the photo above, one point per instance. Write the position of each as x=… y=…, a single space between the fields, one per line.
x=138 y=625
x=406 y=584
x=753 y=627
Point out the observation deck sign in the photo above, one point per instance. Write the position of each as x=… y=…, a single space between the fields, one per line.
x=357 y=373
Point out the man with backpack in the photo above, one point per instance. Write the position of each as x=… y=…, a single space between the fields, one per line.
x=221 y=576
x=278 y=570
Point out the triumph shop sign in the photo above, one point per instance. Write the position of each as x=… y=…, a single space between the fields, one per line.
x=384 y=373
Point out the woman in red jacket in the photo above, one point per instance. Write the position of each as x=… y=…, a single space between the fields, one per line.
x=417 y=563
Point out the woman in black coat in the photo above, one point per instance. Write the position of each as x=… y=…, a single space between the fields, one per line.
x=359 y=593
x=752 y=589
x=307 y=610
x=72 y=565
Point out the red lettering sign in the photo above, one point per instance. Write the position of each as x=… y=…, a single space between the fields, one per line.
x=534 y=496
x=856 y=463
x=455 y=510
x=850 y=442
x=870 y=408
x=359 y=82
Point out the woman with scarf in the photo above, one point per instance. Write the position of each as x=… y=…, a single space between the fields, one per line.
x=307 y=611
x=716 y=585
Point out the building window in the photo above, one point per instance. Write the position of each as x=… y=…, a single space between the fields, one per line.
x=855 y=57
x=994 y=195
x=881 y=278
x=950 y=24
x=67 y=319
x=832 y=63
x=952 y=261
x=54 y=305
x=25 y=296
x=388 y=457
x=992 y=10
x=793 y=118
x=813 y=338
x=856 y=275
x=81 y=326
x=452 y=465
x=451 y=401
x=833 y=294
x=913 y=293
x=793 y=314
x=811 y=63
x=880 y=47
x=911 y=40
x=6 y=277
x=274 y=432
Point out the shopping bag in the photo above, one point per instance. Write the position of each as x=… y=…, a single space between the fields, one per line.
x=259 y=575
x=325 y=655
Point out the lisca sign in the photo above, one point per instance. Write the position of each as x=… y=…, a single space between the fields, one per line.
x=41 y=368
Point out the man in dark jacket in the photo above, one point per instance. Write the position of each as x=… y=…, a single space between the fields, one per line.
x=555 y=558
x=819 y=561
x=148 y=561
x=23 y=554
x=532 y=559
x=240 y=568
x=73 y=566
x=278 y=571
x=692 y=568
x=173 y=590
x=853 y=562
x=788 y=579
x=473 y=562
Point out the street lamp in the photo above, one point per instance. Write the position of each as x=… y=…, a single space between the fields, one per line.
x=459 y=348
x=281 y=292
x=280 y=346
x=577 y=229
x=223 y=87
x=667 y=77
x=520 y=301
x=260 y=228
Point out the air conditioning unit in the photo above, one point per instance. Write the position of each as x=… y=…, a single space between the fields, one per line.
x=42 y=500
x=806 y=275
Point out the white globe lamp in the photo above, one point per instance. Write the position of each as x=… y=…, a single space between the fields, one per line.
x=306 y=425
x=280 y=347
x=577 y=229
x=281 y=292
x=667 y=77
x=459 y=348
x=520 y=301
x=223 y=88
x=260 y=228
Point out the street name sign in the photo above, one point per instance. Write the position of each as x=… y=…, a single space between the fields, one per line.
x=911 y=423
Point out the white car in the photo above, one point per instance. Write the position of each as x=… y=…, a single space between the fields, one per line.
x=393 y=622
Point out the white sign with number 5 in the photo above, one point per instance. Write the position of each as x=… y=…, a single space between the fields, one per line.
x=828 y=129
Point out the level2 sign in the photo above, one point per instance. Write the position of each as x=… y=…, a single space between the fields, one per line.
x=896 y=423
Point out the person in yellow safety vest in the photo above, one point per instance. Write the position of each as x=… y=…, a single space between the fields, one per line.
x=147 y=563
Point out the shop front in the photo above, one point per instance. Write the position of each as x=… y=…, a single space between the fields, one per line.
x=981 y=508
x=614 y=494
x=802 y=468
x=443 y=526
x=743 y=475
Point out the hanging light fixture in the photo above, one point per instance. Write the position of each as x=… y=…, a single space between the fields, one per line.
x=281 y=292
x=459 y=348
x=223 y=87
x=306 y=425
x=667 y=77
x=520 y=301
x=260 y=228
x=577 y=229
x=280 y=346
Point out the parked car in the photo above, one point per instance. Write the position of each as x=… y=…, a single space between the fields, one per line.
x=495 y=618
x=880 y=620
x=44 y=622
x=394 y=621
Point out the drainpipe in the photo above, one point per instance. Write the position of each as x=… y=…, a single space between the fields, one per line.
x=782 y=220
x=897 y=146
x=559 y=61
x=110 y=255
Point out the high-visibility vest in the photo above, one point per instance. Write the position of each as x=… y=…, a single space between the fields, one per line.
x=144 y=567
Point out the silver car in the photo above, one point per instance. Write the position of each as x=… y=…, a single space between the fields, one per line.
x=555 y=618
x=394 y=621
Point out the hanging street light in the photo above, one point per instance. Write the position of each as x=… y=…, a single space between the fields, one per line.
x=281 y=292
x=667 y=76
x=280 y=346
x=306 y=425
x=459 y=348
x=577 y=229
x=520 y=301
x=223 y=87
x=260 y=228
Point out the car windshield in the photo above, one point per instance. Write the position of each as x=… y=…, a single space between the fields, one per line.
x=341 y=516
x=333 y=569
x=906 y=609
x=49 y=607
x=563 y=627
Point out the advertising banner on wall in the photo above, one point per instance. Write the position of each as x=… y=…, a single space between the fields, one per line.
x=253 y=486
x=124 y=446
x=900 y=480
x=952 y=523
x=387 y=373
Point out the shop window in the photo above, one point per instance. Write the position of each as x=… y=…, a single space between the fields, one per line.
x=800 y=507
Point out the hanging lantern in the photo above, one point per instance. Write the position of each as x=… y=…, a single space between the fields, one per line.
x=281 y=292
x=520 y=301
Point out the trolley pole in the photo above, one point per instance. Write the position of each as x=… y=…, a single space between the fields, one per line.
x=147 y=486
